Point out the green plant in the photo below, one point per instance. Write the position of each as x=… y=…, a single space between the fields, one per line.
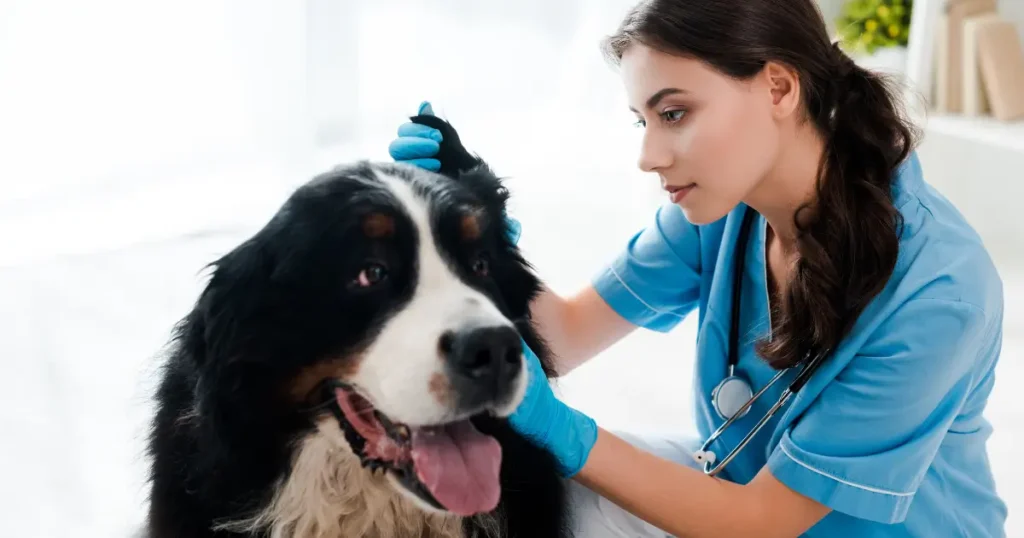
x=867 y=25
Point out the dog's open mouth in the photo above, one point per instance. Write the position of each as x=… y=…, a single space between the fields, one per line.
x=452 y=466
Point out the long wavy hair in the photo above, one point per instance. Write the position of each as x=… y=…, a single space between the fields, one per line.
x=848 y=244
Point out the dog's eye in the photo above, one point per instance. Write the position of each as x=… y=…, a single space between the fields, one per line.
x=481 y=265
x=371 y=275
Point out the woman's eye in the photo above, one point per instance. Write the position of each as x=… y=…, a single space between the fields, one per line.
x=371 y=275
x=481 y=266
x=672 y=116
x=669 y=117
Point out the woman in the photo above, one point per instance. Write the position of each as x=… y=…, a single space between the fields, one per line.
x=849 y=256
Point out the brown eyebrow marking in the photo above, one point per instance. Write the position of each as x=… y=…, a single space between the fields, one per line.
x=470 y=225
x=378 y=225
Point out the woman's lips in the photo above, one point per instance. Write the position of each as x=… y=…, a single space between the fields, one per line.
x=676 y=194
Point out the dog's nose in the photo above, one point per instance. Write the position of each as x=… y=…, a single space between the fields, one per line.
x=485 y=358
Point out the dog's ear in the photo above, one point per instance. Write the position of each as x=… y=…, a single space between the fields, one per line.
x=230 y=300
x=454 y=157
x=226 y=337
x=469 y=169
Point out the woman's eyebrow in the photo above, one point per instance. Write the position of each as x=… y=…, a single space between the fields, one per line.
x=653 y=100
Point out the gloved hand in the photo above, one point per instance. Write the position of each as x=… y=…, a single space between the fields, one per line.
x=419 y=145
x=566 y=433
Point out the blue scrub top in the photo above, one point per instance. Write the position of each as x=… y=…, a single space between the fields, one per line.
x=889 y=432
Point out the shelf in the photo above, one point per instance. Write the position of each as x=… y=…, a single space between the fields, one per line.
x=982 y=130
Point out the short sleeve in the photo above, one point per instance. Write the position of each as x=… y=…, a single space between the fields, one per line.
x=655 y=282
x=865 y=444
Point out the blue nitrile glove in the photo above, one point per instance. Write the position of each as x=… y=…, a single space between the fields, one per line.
x=541 y=417
x=419 y=145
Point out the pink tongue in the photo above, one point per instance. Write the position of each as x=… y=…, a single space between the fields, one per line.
x=459 y=465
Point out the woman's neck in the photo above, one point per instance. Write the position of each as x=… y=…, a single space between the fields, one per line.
x=789 y=184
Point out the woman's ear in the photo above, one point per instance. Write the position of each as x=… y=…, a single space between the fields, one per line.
x=784 y=84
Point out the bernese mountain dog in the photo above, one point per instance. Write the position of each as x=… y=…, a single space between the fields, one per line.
x=348 y=370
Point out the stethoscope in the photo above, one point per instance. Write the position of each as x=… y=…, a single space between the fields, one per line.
x=733 y=396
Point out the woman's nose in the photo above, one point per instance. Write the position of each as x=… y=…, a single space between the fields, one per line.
x=654 y=155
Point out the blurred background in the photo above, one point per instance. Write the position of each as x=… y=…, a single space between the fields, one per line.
x=139 y=140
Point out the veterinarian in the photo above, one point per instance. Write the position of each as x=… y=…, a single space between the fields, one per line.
x=855 y=304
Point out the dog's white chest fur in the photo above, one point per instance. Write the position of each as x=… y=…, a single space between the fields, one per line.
x=330 y=495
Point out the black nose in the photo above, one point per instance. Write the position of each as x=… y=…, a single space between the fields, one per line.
x=483 y=361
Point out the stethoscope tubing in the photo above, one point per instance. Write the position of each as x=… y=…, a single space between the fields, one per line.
x=711 y=466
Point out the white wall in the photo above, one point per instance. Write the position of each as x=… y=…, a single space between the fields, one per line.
x=125 y=121
x=118 y=91
x=987 y=185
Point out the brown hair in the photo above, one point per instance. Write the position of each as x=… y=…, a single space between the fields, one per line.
x=849 y=243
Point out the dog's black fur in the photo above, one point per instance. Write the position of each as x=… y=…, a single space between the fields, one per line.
x=225 y=430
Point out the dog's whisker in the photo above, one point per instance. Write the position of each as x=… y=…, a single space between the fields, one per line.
x=315 y=407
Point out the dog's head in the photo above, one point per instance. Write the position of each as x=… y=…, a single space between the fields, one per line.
x=389 y=297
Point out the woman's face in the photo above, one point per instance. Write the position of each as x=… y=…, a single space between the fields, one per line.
x=710 y=138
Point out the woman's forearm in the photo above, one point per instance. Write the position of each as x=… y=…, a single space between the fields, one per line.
x=578 y=327
x=677 y=499
x=690 y=504
x=550 y=313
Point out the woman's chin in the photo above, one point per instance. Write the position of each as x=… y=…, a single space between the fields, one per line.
x=700 y=214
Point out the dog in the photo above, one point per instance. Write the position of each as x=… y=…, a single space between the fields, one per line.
x=348 y=370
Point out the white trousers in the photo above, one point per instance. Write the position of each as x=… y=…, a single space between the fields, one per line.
x=596 y=517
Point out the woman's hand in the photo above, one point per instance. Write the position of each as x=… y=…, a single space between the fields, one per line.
x=542 y=418
x=418 y=144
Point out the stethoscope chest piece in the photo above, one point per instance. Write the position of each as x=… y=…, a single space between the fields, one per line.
x=729 y=397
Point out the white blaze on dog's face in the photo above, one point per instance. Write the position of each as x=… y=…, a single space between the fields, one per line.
x=446 y=354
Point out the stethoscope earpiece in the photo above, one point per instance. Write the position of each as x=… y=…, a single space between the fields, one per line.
x=704 y=457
